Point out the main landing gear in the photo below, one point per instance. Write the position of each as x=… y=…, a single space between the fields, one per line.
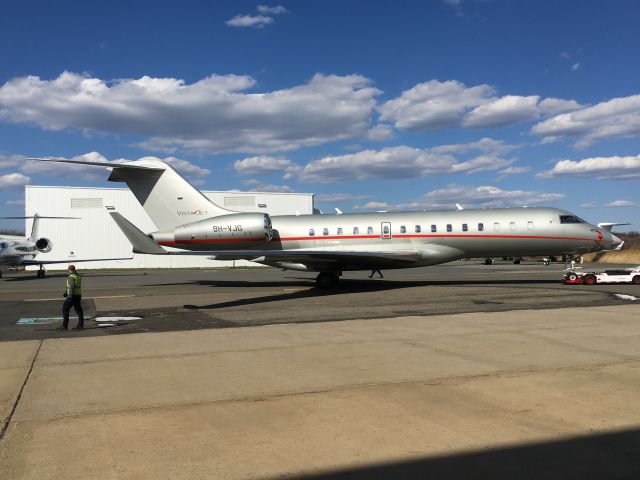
x=326 y=280
x=40 y=273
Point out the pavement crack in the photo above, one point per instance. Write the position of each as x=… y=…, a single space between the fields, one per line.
x=5 y=423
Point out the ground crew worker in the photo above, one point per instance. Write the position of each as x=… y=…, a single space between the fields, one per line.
x=73 y=298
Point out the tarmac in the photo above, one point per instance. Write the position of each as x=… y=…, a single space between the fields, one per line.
x=458 y=371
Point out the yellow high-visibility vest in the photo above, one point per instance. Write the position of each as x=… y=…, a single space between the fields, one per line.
x=76 y=289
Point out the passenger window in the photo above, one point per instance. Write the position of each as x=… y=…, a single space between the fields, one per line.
x=312 y=232
x=356 y=231
x=496 y=226
x=480 y=227
x=449 y=227
x=434 y=229
x=418 y=229
x=369 y=230
x=512 y=225
x=403 y=229
x=385 y=230
x=339 y=230
x=529 y=225
x=465 y=228
x=325 y=231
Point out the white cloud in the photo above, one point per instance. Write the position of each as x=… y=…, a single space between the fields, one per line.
x=9 y=161
x=503 y=111
x=265 y=165
x=589 y=205
x=211 y=115
x=432 y=105
x=617 y=117
x=259 y=186
x=13 y=180
x=514 y=171
x=553 y=106
x=485 y=145
x=596 y=167
x=339 y=197
x=271 y=10
x=375 y=206
x=475 y=197
x=564 y=55
x=621 y=204
x=380 y=132
x=406 y=162
x=575 y=67
x=19 y=201
x=249 y=21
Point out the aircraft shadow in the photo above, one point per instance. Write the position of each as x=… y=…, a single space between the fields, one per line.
x=600 y=456
x=347 y=286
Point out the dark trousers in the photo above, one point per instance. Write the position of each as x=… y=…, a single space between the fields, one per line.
x=72 y=301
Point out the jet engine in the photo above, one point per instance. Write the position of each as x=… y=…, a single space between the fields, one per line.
x=43 y=245
x=237 y=227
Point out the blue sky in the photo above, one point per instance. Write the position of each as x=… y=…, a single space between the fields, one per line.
x=370 y=105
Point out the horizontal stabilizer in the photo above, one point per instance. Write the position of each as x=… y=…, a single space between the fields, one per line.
x=97 y=164
x=141 y=243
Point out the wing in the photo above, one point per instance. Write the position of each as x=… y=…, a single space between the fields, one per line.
x=69 y=261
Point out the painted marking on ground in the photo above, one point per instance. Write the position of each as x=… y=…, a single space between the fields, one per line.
x=37 y=320
x=622 y=296
x=116 y=319
x=58 y=298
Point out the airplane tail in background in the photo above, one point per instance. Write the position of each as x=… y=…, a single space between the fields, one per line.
x=167 y=197
x=35 y=226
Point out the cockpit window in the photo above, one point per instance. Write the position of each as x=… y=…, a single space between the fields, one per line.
x=570 y=219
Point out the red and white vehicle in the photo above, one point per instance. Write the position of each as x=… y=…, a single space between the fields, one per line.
x=630 y=275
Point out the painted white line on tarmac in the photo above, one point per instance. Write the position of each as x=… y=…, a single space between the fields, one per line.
x=84 y=298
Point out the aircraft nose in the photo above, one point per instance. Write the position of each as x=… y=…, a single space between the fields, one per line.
x=616 y=243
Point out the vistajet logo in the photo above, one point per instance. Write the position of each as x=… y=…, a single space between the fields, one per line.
x=189 y=213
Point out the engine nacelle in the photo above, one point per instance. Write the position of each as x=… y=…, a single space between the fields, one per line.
x=237 y=227
x=43 y=245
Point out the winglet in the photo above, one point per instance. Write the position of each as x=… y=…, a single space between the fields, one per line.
x=141 y=243
x=609 y=226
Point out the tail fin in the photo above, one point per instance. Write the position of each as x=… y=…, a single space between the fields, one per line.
x=167 y=197
x=36 y=223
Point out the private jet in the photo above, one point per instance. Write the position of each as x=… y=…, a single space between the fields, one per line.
x=22 y=251
x=331 y=244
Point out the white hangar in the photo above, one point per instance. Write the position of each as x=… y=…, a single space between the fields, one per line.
x=95 y=235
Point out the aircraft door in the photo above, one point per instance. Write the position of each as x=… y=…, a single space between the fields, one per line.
x=385 y=230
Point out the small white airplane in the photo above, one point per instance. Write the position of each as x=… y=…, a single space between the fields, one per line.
x=332 y=244
x=22 y=251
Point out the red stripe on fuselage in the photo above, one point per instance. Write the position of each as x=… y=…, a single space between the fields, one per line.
x=372 y=237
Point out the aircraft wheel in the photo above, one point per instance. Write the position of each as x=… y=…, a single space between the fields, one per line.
x=488 y=261
x=0 y=274
x=40 y=274
x=590 y=280
x=636 y=280
x=517 y=261
x=326 y=280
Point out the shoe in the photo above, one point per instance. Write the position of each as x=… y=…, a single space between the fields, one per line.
x=79 y=327
x=62 y=329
